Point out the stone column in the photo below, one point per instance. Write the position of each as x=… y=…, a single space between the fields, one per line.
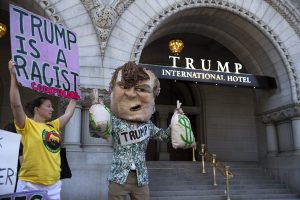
x=73 y=130
x=285 y=137
x=296 y=134
x=163 y=153
x=272 y=143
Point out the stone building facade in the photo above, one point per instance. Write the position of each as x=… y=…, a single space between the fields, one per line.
x=238 y=124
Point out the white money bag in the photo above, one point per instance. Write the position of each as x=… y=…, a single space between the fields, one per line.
x=99 y=119
x=181 y=131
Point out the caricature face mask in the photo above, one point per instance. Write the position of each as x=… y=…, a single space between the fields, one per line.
x=133 y=102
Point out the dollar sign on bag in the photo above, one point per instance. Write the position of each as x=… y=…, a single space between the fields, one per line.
x=185 y=122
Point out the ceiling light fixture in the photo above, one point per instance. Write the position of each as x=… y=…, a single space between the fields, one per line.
x=176 y=46
x=3 y=29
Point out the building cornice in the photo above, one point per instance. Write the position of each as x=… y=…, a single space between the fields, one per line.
x=281 y=114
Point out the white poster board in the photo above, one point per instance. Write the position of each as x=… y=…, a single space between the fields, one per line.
x=9 y=152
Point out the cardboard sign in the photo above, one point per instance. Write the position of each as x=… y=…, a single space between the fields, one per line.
x=9 y=152
x=46 y=54
x=134 y=136
x=32 y=195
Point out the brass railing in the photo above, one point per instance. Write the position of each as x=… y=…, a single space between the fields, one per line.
x=222 y=168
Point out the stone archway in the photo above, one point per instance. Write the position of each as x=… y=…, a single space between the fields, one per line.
x=249 y=20
x=253 y=31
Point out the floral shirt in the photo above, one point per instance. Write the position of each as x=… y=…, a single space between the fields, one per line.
x=130 y=142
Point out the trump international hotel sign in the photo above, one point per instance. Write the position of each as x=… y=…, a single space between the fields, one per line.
x=226 y=74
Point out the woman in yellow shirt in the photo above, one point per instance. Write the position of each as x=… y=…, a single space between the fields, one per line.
x=40 y=168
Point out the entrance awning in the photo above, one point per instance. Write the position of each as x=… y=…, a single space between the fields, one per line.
x=212 y=77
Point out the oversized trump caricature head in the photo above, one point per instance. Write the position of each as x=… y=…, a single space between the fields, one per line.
x=133 y=91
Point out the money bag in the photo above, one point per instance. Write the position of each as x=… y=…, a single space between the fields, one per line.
x=181 y=131
x=99 y=118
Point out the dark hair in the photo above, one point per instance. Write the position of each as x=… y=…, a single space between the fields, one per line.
x=35 y=103
x=132 y=73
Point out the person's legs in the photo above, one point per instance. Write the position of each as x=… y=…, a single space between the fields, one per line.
x=130 y=187
x=140 y=193
x=53 y=191
x=117 y=191
x=136 y=192
x=21 y=186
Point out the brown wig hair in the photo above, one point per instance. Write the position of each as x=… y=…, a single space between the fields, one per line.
x=133 y=73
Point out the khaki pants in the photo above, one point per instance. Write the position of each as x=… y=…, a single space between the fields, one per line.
x=130 y=187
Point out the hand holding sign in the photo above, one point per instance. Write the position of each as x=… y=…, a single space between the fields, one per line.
x=12 y=66
x=46 y=54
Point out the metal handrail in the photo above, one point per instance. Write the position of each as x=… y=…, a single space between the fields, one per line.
x=221 y=167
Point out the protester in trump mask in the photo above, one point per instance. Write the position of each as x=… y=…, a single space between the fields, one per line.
x=133 y=91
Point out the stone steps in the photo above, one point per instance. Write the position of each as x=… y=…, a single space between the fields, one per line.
x=176 y=180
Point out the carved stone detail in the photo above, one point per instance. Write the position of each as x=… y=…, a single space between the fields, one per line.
x=88 y=97
x=49 y=10
x=104 y=17
x=221 y=4
x=281 y=114
x=289 y=12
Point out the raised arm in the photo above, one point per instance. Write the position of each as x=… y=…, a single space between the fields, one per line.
x=64 y=119
x=14 y=95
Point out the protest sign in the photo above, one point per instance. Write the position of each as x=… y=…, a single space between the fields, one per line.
x=9 y=152
x=46 y=54
x=30 y=195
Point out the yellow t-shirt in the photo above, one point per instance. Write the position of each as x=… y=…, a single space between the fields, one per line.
x=41 y=152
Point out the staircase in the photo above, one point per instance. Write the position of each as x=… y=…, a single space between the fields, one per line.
x=173 y=180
